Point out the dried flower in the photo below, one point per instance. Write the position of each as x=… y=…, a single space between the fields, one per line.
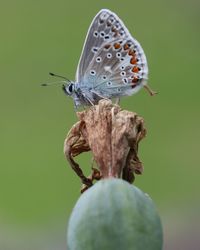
x=112 y=134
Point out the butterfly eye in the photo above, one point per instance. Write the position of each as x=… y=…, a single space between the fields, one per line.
x=109 y=55
x=93 y=72
x=70 y=88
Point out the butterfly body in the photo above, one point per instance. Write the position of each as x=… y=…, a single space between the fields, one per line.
x=112 y=63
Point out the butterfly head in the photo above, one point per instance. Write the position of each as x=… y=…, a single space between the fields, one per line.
x=68 y=86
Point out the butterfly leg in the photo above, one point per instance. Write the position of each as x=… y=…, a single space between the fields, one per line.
x=76 y=107
x=117 y=101
x=88 y=99
x=99 y=95
x=83 y=98
x=150 y=91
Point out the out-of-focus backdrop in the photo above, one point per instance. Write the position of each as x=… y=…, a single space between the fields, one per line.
x=37 y=187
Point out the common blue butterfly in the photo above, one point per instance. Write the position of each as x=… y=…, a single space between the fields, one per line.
x=112 y=63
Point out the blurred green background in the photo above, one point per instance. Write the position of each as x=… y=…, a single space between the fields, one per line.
x=37 y=187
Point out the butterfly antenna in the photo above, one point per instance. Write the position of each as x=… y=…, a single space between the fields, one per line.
x=63 y=77
x=53 y=83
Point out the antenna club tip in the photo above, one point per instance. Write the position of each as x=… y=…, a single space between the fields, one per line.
x=51 y=74
x=43 y=84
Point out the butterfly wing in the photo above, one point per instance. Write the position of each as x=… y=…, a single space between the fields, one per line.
x=92 y=44
x=112 y=63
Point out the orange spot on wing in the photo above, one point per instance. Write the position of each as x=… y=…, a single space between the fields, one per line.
x=134 y=81
x=135 y=69
x=113 y=29
x=116 y=34
x=108 y=24
x=126 y=46
x=131 y=53
x=107 y=46
x=133 y=60
x=117 y=45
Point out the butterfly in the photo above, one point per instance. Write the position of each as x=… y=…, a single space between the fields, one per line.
x=112 y=63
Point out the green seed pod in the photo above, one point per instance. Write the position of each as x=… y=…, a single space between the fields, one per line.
x=114 y=215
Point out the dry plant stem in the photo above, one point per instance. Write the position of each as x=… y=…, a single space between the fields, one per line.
x=112 y=134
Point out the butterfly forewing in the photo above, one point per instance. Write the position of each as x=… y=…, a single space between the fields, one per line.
x=92 y=44
x=112 y=63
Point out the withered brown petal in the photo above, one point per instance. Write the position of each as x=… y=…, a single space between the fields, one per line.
x=112 y=134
